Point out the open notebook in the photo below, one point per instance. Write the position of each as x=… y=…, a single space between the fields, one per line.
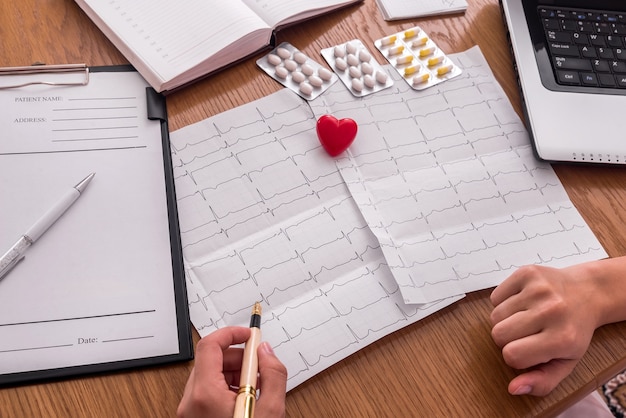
x=175 y=43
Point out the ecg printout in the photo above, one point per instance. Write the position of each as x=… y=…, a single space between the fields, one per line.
x=266 y=215
x=448 y=183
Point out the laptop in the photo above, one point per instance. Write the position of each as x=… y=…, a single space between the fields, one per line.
x=570 y=58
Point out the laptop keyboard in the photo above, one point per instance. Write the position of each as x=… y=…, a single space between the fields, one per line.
x=586 y=47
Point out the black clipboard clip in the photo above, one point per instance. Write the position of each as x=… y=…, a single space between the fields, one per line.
x=43 y=70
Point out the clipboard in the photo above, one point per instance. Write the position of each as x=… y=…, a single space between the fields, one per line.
x=104 y=289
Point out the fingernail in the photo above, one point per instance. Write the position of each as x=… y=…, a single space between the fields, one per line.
x=267 y=348
x=523 y=390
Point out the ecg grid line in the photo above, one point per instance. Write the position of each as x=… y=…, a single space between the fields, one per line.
x=266 y=215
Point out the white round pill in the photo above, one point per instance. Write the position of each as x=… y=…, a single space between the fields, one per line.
x=300 y=57
x=381 y=77
x=283 y=53
x=306 y=88
x=291 y=65
x=340 y=63
x=352 y=60
x=367 y=68
x=339 y=52
x=364 y=56
x=307 y=69
x=357 y=85
x=316 y=81
x=350 y=48
x=369 y=81
x=354 y=72
x=281 y=72
x=274 y=59
x=324 y=73
x=298 y=77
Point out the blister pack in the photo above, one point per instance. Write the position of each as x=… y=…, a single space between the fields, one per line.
x=296 y=71
x=417 y=58
x=356 y=68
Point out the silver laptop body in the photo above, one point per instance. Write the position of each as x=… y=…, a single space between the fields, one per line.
x=568 y=123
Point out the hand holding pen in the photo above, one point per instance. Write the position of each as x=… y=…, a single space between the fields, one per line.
x=209 y=391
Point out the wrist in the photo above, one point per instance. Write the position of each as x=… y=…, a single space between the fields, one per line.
x=605 y=290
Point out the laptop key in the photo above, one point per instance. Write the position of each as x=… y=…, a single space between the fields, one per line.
x=605 y=53
x=551 y=24
x=581 y=38
x=569 y=25
x=579 y=64
x=547 y=13
x=618 y=67
x=621 y=81
x=597 y=40
x=568 y=77
x=589 y=79
x=556 y=36
x=588 y=52
x=600 y=66
x=606 y=80
x=614 y=41
x=568 y=50
x=602 y=27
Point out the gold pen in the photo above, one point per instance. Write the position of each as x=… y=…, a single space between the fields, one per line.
x=244 y=404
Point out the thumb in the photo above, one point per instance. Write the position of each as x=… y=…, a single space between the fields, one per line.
x=272 y=383
x=542 y=379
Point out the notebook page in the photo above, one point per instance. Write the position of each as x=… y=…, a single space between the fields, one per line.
x=276 y=13
x=171 y=37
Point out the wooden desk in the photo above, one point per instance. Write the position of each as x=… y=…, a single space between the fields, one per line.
x=445 y=365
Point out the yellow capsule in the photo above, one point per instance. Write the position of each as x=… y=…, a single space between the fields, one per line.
x=419 y=42
x=388 y=40
x=435 y=60
x=396 y=50
x=419 y=79
x=427 y=51
x=404 y=59
x=411 y=33
x=411 y=70
x=444 y=69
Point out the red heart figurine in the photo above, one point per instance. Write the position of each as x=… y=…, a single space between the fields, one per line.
x=335 y=135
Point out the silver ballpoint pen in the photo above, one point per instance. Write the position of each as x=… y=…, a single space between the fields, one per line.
x=16 y=252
